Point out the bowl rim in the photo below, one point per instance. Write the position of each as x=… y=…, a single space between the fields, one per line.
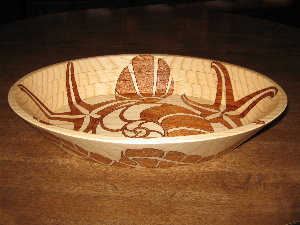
x=276 y=112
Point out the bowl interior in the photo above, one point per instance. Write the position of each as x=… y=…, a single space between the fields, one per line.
x=147 y=96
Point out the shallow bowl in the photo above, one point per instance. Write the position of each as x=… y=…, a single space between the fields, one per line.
x=147 y=110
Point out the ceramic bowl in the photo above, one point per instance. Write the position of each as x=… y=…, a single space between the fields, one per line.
x=147 y=110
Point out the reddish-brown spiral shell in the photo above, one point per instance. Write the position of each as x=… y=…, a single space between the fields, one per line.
x=146 y=77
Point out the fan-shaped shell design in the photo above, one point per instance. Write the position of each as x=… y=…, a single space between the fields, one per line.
x=146 y=77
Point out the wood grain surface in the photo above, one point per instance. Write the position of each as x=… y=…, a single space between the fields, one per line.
x=258 y=183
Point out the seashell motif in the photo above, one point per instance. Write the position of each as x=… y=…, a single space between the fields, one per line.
x=177 y=120
x=147 y=78
x=143 y=129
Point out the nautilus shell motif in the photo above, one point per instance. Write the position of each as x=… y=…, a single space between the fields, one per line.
x=140 y=109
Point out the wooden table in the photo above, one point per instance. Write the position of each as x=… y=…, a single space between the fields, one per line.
x=258 y=183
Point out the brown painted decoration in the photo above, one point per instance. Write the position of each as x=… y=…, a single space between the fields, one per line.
x=147 y=110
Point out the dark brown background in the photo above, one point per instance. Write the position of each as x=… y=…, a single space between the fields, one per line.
x=258 y=183
x=283 y=11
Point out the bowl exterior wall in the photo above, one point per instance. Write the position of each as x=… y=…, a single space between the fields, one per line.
x=149 y=155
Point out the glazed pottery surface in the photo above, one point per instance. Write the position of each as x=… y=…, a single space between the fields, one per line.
x=147 y=110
